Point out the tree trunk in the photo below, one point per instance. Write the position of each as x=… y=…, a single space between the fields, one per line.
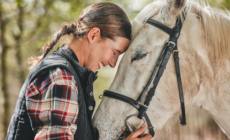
x=5 y=91
x=6 y=111
x=18 y=38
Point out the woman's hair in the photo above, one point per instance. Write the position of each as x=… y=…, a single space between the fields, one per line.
x=108 y=17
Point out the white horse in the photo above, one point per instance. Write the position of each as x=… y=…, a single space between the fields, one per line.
x=204 y=46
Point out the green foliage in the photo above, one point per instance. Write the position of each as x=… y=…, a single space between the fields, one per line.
x=226 y=4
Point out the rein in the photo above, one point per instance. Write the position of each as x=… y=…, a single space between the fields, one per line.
x=169 y=48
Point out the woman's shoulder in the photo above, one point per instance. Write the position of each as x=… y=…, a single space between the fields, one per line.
x=55 y=77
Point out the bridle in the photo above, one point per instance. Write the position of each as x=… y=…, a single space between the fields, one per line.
x=169 y=48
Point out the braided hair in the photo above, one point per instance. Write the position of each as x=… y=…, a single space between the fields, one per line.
x=108 y=17
x=67 y=29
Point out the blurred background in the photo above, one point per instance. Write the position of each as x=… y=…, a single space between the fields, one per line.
x=25 y=25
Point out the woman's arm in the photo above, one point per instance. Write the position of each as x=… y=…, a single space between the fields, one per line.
x=52 y=106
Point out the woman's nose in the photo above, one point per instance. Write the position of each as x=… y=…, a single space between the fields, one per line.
x=113 y=62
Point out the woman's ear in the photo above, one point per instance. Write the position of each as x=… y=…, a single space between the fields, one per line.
x=94 y=35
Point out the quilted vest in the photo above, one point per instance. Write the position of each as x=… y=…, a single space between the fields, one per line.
x=20 y=126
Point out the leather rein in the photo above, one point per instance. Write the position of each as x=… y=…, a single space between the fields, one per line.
x=169 y=48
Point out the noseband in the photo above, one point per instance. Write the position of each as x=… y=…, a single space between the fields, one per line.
x=170 y=46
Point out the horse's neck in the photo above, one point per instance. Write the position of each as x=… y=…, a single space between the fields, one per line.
x=206 y=80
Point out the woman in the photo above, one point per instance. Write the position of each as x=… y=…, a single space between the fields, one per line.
x=56 y=100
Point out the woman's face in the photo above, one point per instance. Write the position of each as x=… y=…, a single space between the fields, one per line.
x=106 y=52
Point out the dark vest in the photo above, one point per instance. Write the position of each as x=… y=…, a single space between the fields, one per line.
x=20 y=126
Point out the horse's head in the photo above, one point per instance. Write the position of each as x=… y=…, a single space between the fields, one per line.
x=141 y=57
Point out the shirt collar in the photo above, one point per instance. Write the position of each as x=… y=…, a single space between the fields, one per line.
x=71 y=52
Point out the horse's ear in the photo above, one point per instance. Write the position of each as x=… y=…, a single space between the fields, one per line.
x=172 y=9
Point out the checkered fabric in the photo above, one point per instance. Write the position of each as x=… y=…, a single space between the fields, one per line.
x=52 y=106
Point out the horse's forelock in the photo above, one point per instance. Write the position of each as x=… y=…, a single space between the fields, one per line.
x=148 y=12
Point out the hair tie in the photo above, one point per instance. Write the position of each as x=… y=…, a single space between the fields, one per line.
x=78 y=28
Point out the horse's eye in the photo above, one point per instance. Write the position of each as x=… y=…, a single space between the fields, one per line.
x=138 y=56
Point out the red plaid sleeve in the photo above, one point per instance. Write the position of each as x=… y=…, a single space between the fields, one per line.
x=52 y=106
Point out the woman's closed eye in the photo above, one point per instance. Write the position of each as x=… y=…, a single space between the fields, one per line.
x=116 y=52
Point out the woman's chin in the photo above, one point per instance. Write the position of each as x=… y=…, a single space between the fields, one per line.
x=94 y=69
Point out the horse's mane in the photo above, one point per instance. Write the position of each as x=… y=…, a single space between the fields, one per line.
x=216 y=24
x=217 y=29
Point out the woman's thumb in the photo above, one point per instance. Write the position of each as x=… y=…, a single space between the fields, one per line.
x=139 y=131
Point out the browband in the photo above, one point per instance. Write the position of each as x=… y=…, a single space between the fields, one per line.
x=159 y=25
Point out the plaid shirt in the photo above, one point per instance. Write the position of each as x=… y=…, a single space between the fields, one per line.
x=51 y=102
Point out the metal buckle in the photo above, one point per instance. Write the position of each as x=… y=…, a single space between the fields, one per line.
x=170 y=42
x=175 y=51
x=128 y=124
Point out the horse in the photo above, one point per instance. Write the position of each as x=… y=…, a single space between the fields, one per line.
x=204 y=48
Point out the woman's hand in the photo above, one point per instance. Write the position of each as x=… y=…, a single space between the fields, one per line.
x=141 y=130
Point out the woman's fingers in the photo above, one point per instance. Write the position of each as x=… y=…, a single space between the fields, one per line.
x=139 y=131
x=146 y=137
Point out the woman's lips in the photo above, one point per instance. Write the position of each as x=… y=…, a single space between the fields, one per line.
x=100 y=65
x=103 y=64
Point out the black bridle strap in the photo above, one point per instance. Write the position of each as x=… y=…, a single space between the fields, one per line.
x=131 y=102
x=172 y=33
x=140 y=98
x=177 y=66
x=150 y=126
x=159 y=25
x=171 y=44
x=123 y=98
x=160 y=72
